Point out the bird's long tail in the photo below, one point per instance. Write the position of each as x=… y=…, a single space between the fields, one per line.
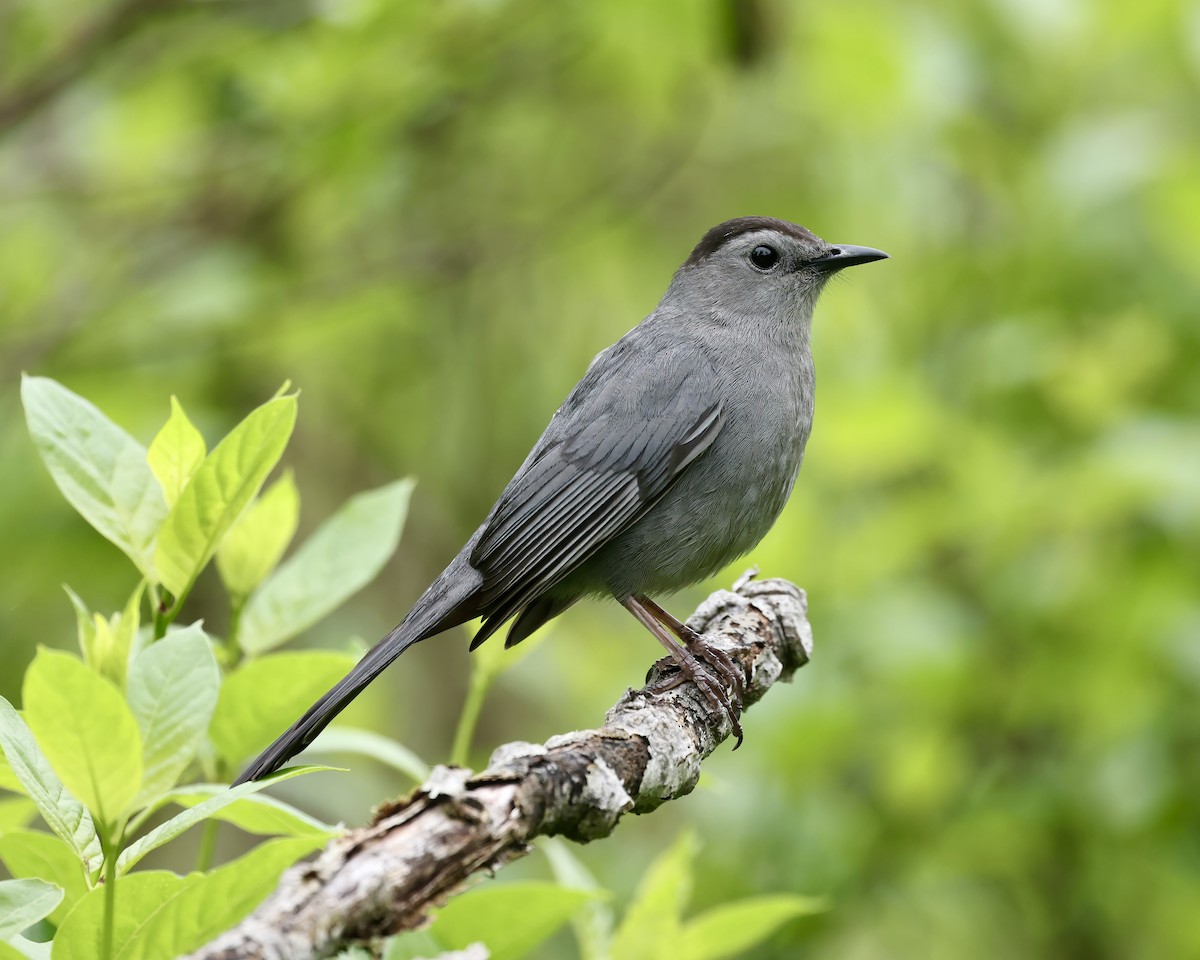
x=447 y=603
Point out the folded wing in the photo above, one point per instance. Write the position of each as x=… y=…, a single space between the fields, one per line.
x=631 y=440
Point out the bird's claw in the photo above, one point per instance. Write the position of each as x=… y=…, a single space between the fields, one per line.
x=694 y=647
x=721 y=664
x=738 y=675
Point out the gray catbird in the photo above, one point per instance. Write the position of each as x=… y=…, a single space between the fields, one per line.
x=671 y=457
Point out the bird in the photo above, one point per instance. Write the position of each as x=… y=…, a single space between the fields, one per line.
x=670 y=458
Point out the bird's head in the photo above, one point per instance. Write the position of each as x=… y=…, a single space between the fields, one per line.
x=753 y=267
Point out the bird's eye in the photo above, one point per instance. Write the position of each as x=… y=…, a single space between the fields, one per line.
x=764 y=257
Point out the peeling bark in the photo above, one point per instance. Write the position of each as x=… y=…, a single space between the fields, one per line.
x=419 y=850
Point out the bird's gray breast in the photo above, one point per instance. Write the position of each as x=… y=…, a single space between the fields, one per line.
x=727 y=500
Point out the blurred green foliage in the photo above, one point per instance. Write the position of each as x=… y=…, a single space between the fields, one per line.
x=429 y=216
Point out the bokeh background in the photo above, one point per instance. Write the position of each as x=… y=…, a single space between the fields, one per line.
x=429 y=216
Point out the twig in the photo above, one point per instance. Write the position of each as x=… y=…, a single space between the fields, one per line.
x=384 y=878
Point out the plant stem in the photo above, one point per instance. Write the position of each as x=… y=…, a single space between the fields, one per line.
x=111 y=847
x=208 y=838
x=177 y=602
x=156 y=611
x=232 y=647
x=208 y=846
x=164 y=611
x=476 y=692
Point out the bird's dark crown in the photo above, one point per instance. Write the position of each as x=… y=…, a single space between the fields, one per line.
x=722 y=233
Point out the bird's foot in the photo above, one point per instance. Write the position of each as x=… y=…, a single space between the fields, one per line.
x=658 y=621
x=738 y=675
x=718 y=659
x=714 y=691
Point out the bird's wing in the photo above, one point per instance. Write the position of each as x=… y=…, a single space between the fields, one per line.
x=616 y=446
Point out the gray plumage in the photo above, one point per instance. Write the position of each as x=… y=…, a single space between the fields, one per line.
x=669 y=459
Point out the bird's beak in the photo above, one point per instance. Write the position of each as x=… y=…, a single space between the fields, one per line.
x=846 y=255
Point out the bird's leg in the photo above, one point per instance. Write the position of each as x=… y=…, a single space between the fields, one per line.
x=688 y=667
x=739 y=678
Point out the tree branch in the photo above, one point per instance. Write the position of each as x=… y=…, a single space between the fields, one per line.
x=418 y=851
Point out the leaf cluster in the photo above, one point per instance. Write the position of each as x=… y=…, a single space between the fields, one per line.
x=111 y=740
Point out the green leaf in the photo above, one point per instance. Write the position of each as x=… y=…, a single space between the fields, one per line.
x=99 y=468
x=43 y=856
x=487 y=915
x=416 y=945
x=216 y=901
x=593 y=924
x=139 y=897
x=728 y=930
x=652 y=923
x=8 y=778
x=32 y=949
x=259 y=814
x=86 y=730
x=261 y=698
x=172 y=691
x=65 y=815
x=178 y=824
x=124 y=634
x=25 y=902
x=340 y=558
x=161 y=915
x=16 y=813
x=252 y=548
x=26 y=949
x=106 y=650
x=221 y=488
x=9 y=952
x=99 y=642
x=367 y=743
x=176 y=453
x=85 y=626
